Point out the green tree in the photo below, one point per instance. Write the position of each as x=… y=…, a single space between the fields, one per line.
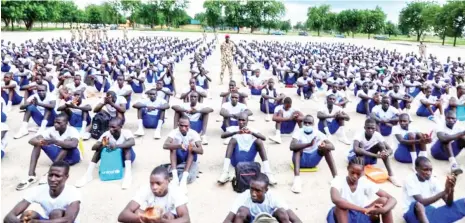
x=212 y=13
x=416 y=16
x=299 y=26
x=68 y=12
x=390 y=29
x=373 y=21
x=254 y=17
x=235 y=14
x=330 y=22
x=131 y=6
x=285 y=26
x=148 y=13
x=201 y=17
x=170 y=10
x=456 y=18
x=11 y=12
x=111 y=12
x=342 y=21
x=94 y=14
x=32 y=11
x=271 y=13
x=317 y=17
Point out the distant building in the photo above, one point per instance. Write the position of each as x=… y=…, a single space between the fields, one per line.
x=195 y=22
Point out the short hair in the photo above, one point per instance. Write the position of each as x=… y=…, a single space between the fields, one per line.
x=370 y=121
x=61 y=164
x=403 y=115
x=451 y=112
x=261 y=177
x=118 y=121
x=185 y=117
x=287 y=100
x=357 y=161
x=420 y=160
x=62 y=115
x=161 y=170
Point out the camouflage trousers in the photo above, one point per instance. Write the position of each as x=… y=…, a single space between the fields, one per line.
x=224 y=64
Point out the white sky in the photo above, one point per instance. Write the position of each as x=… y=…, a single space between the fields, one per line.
x=296 y=10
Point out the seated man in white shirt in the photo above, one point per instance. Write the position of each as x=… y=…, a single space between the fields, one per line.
x=113 y=105
x=76 y=85
x=351 y=196
x=122 y=89
x=450 y=142
x=305 y=86
x=226 y=96
x=371 y=146
x=258 y=202
x=421 y=191
x=10 y=91
x=270 y=99
x=150 y=113
x=184 y=145
x=454 y=102
x=193 y=88
x=438 y=86
x=197 y=113
x=286 y=118
x=429 y=104
x=101 y=79
x=114 y=138
x=308 y=147
x=31 y=88
x=78 y=110
x=59 y=202
x=243 y=147
x=163 y=92
x=256 y=83
x=230 y=110
x=332 y=118
x=385 y=115
x=136 y=80
x=340 y=94
x=41 y=107
x=159 y=196
x=366 y=99
x=58 y=143
x=400 y=100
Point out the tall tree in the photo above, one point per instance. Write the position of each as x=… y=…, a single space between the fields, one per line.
x=342 y=21
x=94 y=14
x=254 y=14
x=299 y=26
x=373 y=21
x=390 y=29
x=131 y=6
x=148 y=13
x=32 y=11
x=456 y=18
x=235 y=13
x=168 y=7
x=416 y=17
x=11 y=12
x=213 y=10
x=272 y=12
x=285 y=25
x=317 y=17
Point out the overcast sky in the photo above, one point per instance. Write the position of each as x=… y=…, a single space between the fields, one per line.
x=297 y=10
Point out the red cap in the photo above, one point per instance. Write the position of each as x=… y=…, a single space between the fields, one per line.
x=227 y=36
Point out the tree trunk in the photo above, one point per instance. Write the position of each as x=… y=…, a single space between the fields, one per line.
x=368 y=35
x=455 y=37
x=318 y=31
x=7 y=23
x=389 y=34
x=443 y=37
x=251 y=29
x=56 y=25
x=238 y=29
x=41 y=24
x=71 y=25
x=63 y=25
x=418 y=36
x=12 y=25
x=353 y=34
x=269 y=29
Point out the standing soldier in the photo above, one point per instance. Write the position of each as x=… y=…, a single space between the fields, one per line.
x=73 y=34
x=216 y=36
x=125 y=33
x=80 y=33
x=204 y=36
x=227 y=52
x=105 y=33
x=422 y=49
x=87 y=33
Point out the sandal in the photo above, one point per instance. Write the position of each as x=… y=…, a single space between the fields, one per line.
x=25 y=184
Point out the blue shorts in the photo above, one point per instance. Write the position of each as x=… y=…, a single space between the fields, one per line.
x=368 y=159
x=287 y=127
x=307 y=91
x=181 y=156
x=51 y=87
x=361 y=106
x=231 y=123
x=243 y=156
x=308 y=160
x=76 y=120
x=150 y=121
x=271 y=107
x=128 y=103
x=423 y=111
x=3 y=117
x=3 y=154
x=402 y=153
x=169 y=86
x=354 y=217
x=38 y=117
x=98 y=86
x=204 y=86
x=22 y=81
x=137 y=88
x=290 y=80
x=443 y=214
x=384 y=129
x=150 y=78
x=255 y=91
x=52 y=151
x=333 y=126
x=415 y=92
x=438 y=153
x=16 y=98
x=197 y=125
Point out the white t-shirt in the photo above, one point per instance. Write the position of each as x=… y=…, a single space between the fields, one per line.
x=84 y=102
x=70 y=133
x=430 y=99
x=192 y=117
x=11 y=82
x=303 y=81
x=442 y=127
x=120 y=100
x=286 y=114
x=244 y=141
x=120 y=91
x=240 y=107
x=191 y=136
x=72 y=87
x=173 y=199
x=161 y=94
x=202 y=79
x=413 y=187
x=367 y=144
x=125 y=135
x=397 y=130
x=380 y=113
x=197 y=89
x=157 y=103
x=360 y=197
x=399 y=94
x=370 y=94
x=48 y=98
x=41 y=195
x=325 y=110
x=303 y=137
x=269 y=205
x=271 y=93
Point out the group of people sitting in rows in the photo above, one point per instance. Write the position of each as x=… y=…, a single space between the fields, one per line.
x=53 y=76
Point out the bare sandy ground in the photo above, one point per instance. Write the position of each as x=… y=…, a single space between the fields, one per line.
x=208 y=202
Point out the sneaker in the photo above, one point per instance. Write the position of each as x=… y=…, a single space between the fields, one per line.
x=43 y=179
x=126 y=182
x=204 y=140
x=8 y=108
x=83 y=181
x=85 y=135
x=267 y=118
x=26 y=183
x=224 y=178
x=157 y=134
x=139 y=132
x=455 y=169
x=296 y=186
x=276 y=139
x=21 y=133
x=431 y=118
x=271 y=178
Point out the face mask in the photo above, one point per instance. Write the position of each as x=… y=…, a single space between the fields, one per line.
x=308 y=129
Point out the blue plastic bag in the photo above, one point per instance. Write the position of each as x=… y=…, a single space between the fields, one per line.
x=111 y=164
x=461 y=112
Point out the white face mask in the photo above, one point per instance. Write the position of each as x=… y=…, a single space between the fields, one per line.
x=308 y=129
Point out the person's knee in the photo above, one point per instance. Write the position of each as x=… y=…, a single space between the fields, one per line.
x=259 y=142
x=411 y=136
x=281 y=214
x=382 y=201
x=242 y=213
x=54 y=214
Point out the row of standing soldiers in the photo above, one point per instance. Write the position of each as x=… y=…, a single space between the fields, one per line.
x=92 y=34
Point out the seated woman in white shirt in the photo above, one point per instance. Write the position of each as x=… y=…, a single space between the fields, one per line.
x=385 y=115
x=230 y=110
x=58 y=143
x=332 y=118
x=308 y=147
x=184 y=145
x=114 y=138
x=198 y=115
x=270 y=99
x=59 y=202
x=370 y=145
x=256 y=83
x=410 y=142
x=122 y=89
x=258 y=201
x=150 y=113
x=243 y=146
x=167 y=201
x=286 y=118
x=429 y=104
x=113 y=105
x=421 y=192
x=78 y=110
x=350 y=194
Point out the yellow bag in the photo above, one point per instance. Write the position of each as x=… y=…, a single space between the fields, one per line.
x=375 y=174
x=81 y=146
x=314 y=169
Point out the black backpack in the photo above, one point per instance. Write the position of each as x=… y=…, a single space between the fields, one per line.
x=245 y=171
x=100 y=124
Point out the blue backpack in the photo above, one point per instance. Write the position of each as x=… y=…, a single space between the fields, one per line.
x=111 y=164
x=461 y=113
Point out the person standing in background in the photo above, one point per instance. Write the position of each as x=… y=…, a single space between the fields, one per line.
x=227 y=52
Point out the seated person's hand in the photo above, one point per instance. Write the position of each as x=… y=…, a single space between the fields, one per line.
x=245 y=130
x=376 y=209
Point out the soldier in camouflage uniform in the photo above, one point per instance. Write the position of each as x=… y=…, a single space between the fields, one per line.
x=227 y=52
x=80 y=31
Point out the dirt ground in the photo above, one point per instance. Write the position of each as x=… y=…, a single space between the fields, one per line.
x=209 y=202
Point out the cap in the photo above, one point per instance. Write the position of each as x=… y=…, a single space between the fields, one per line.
x=226 y=36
